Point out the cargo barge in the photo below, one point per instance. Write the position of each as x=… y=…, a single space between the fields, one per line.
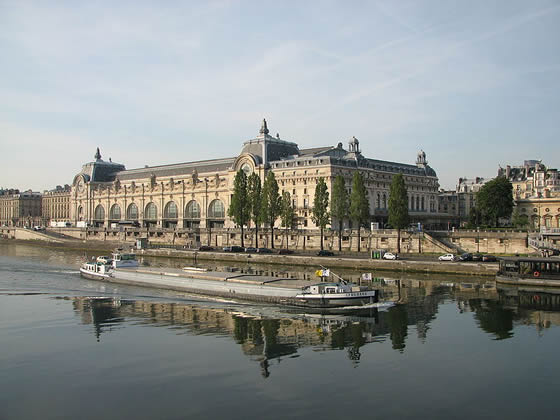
x=323 y=295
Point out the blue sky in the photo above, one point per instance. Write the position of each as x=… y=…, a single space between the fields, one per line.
x=475 y=84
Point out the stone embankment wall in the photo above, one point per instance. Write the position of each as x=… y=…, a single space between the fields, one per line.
x=503 y=242
x=362 y=264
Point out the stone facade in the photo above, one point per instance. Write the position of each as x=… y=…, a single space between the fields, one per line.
x=56 y=205
x=536 y=191
x=194 y=196
x=457 y=205
x=21 y=209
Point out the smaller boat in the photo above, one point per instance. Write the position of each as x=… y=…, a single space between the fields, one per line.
x=332 y=295
x=529 y=271
x=96 y=270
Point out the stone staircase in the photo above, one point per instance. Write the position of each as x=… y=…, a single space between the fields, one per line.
x=442 y=244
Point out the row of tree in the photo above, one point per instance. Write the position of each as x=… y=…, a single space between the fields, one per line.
x=258 y=204
x=263 y=204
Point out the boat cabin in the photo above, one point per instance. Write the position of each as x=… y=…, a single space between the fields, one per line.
x=327 y=288
x=546 y=268
x=97 y=267
x=124 y=257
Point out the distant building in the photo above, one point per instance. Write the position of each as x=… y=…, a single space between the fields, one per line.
x=457 y=205
x=536 y=192
x=532 y=180
x=20 y=209
x=56 y=205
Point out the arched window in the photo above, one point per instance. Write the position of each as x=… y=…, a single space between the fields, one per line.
x=378 y=201
x=99 y=213
x=216 y=210
x=384 y=200
x=151 y=212
x=80 y=212
x=423 y=205
x=417 y=203
x=115 y=212
x=170 y=211
x=132 y=212
x=192 y=210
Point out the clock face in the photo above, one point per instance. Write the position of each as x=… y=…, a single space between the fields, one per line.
x=247 y=169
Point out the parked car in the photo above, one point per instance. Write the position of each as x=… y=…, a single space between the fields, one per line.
x=477 y=257
x=38 y=228
x=264 y=251
x=447 y=257
x=325 y=253
x=205 y=248
x=285 y=252
x=236 y=248
x=390 y=256
x=250 y=249
x=488 y=258
x=227 y=249
x=466 y=257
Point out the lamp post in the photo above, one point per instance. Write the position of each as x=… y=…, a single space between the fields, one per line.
x=208 y=227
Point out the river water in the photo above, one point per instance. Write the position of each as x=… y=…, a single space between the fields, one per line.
x=455 y=348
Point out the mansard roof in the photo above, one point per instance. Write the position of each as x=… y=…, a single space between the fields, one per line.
x=339 y=156
x=178 y=169
x=100 y=170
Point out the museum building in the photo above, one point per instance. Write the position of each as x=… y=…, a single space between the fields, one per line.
x=196 y=195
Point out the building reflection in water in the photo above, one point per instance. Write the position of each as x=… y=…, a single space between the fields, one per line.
x=263 y=338
x=268 y=334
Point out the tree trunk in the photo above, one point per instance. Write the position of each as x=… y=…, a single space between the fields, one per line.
x=272 y=234
x=322 y=238
x=359 y=239
x=287 y=245
x=339 y=235
x=398 y=241
x=242 y=237
x=256 y=235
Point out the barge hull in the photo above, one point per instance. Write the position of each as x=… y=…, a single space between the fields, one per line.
x=528 y=281
x=250 y=292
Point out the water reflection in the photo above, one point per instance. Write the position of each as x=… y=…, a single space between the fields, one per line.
x=261 y=337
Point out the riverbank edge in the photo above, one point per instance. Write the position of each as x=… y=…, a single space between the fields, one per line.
x=364 y=264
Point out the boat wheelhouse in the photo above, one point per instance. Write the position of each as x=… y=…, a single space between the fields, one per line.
x=124 y=260
x=529 y=271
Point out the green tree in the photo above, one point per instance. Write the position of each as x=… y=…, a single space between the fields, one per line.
x=495 y=200
x=320 y=211
x=398 y=207
x=255 y=202
x=359 y=204
x=339 y=205
x=270 y=203
x=519 y=220
x=287 y=213
x=474 y=218
x=238 y=209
